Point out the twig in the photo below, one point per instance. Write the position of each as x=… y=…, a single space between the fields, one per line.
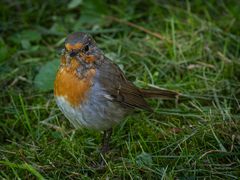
x=52 y=126
x=157 y=35
x=210 y=152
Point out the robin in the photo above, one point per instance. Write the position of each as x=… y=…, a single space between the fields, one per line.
x=93 y=92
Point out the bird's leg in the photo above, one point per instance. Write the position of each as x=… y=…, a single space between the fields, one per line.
x=105 y=141
x=105 y=147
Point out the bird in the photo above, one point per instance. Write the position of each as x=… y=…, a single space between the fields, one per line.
x=93 y=92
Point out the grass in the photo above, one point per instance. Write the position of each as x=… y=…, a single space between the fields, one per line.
x=192 y=47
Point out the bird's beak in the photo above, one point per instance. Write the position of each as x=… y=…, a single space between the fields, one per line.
x=73 y=53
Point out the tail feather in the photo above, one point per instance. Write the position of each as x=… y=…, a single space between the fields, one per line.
x=159 y=93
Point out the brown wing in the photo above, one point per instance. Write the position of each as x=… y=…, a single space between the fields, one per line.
x=119 y=88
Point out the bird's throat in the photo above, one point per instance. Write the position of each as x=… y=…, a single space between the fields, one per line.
x=70 y=86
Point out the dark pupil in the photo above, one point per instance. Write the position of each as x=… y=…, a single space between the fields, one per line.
x=86 y=48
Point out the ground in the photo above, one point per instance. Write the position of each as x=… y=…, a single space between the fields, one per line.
x=188 y=46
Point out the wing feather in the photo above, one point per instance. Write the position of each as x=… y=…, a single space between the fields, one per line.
x=119 y=88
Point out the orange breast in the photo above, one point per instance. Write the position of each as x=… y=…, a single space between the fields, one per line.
x=70 y=86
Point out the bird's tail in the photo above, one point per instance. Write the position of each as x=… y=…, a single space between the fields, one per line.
x=159 y=93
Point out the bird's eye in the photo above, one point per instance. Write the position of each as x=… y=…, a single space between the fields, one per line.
x=86 y=48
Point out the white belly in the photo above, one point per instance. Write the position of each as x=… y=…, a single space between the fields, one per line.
x=97 y=112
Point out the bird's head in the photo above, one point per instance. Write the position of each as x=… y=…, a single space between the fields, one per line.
x=82 y=48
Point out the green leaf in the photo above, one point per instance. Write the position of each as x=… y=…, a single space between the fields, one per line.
x=4 y=50
x=3 y=53
x=26 y=35
x=30 y=35
x=25 y=44
x=58 y=27
x=74 y=3
x=97 y=7
x=92 y=13
x=144 y=159
x=44 y=80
